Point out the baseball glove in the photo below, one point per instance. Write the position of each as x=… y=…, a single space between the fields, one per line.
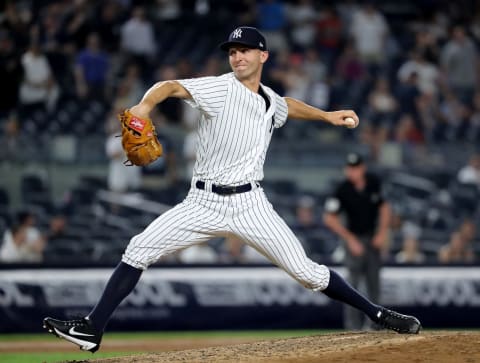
x=139 y=139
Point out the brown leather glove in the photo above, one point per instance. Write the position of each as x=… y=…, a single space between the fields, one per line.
x=139 y=139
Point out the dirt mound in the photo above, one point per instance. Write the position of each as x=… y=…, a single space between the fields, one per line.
x=435 y=347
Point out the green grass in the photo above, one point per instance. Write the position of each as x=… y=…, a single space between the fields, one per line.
x=54 y=357
x=175 y=335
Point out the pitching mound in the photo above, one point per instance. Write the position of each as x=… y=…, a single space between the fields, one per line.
x=437 y=347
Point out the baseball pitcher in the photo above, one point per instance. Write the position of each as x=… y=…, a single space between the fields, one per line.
x=238 y=117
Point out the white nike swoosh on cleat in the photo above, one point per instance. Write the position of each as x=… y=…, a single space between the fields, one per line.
x=84 y=345
x=73 y=332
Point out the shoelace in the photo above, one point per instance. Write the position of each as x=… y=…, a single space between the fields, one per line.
x=75 y=323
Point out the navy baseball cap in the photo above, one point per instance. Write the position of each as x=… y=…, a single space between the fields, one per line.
x=247 y=36
x=354 y=159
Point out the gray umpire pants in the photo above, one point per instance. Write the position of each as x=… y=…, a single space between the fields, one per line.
x=363 y=270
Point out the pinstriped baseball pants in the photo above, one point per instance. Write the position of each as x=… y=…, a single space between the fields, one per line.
x=204 y=215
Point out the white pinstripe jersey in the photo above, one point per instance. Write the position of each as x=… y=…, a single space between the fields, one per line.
x=234 y=130
x=234 y=133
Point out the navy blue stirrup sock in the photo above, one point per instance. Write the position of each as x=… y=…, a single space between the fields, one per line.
x=339 y=289
x=120 y=284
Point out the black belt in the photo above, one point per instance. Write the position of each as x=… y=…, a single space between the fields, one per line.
x=225 y=189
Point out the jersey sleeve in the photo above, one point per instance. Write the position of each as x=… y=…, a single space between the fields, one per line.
x=208 y=93
x=281 y=112
x=333 y=203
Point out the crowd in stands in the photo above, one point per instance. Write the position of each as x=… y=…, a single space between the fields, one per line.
x=410 y=69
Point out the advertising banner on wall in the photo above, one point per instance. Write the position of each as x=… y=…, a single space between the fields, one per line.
x=230 y=298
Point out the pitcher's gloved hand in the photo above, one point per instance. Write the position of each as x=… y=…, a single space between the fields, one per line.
x=139 y=139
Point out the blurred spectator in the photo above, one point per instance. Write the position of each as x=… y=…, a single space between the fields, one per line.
x=137 y=39
x=168 y=11
x=314 y=65
x=475 y=26
x=51 y=33
x=426 y=44
x=171 y=108
x=296 y=79
x=57 y=227
x=212 y=67
x=183 y=67
x=382 y=105
x=23 y=242
x=453 y=118
x=137 y=34
x=418 y=75
x=301 y=17
x=372 y=137
x=200 y=253
x=369 y=29
x=11 y=139
x=434 y=23
x=459 y=60
x=234 y=250
x=272 y=22
x=244 y=10
x=305 y=218
x=130 y=88
x=351 y=77
x=50 y=27
x=457 y=250
x=410 y=252
x=275 y=73
x=16 y=21
x=408 y=137
x=468 y=230
x=406 y=133
x=10 y=73
x=329 y=34
x=91 y=70
x=470 y=173
x=53 y=40
x=108 y=26
x=121 y=178
x=78 y=23
x=428 y=74
x=474 y=134
x=407 y=94
x=38 y=87
x=316 y=71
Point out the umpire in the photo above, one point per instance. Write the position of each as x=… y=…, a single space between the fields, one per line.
x=364 y=229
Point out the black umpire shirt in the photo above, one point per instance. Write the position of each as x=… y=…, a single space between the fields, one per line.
x=360 y=207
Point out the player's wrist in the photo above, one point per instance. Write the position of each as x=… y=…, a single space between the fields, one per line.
x=142 y=109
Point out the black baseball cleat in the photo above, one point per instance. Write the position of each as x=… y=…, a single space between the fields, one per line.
x=403 y=324
x=80 y=332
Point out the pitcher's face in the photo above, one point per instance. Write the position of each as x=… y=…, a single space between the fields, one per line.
x=246 y=62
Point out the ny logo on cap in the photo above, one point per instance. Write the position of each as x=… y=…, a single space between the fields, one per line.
x=237 y=33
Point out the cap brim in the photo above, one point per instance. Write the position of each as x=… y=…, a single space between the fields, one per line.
x=226 y=45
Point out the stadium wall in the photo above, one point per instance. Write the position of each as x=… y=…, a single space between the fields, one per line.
x=194 y=298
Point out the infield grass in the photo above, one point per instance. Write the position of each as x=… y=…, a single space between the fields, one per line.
x=55 y=357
